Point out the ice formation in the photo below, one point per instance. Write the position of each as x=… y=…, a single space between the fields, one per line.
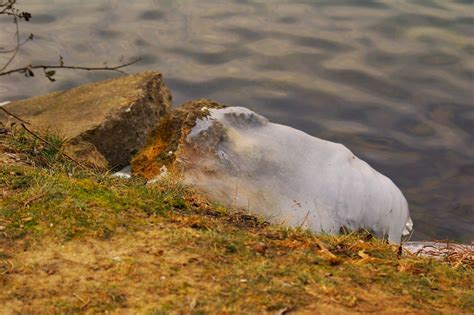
x=240 y=158
x=125 y=172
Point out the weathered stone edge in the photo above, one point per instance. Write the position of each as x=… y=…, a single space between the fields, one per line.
x=127 y=125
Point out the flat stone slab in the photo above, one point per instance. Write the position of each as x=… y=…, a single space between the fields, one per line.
x=116 y=115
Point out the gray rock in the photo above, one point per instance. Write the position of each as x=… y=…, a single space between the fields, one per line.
x=116 y=116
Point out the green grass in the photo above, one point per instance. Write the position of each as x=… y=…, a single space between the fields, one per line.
x=219 y=260
x=75 y=204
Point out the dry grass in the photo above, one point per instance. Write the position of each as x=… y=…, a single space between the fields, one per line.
x=76 y=241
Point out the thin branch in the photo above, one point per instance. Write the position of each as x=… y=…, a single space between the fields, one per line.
x=52 y=146
x=7 y=6
x=9 y=9
x=46 y=67
x=17 y=47
x=2 y=51
x=14 y=116
x=23 y=124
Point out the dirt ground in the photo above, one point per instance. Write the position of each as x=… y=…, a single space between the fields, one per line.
x=147 y=272
x=75 y=241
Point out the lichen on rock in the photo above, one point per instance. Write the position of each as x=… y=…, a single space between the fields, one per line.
x=165 y=141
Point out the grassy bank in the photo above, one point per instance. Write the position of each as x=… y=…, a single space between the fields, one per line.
x=73 y=240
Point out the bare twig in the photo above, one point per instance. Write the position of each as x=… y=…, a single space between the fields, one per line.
x=3 y=51
x=46 y=67
x=305 y=219
x=17 y=47
x=8 y=8
x=53 y=146
x=14 y=116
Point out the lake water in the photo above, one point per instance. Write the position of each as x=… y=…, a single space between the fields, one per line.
x=392 y=80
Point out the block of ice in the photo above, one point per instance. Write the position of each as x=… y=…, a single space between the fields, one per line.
x=238 y=157
x=125 y=172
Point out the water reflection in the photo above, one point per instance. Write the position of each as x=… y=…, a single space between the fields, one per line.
x=393 y=80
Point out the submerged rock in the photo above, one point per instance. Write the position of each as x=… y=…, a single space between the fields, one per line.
x=239 y=158
x=115 y=116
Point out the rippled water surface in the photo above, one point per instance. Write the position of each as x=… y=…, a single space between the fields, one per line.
x=392 y=80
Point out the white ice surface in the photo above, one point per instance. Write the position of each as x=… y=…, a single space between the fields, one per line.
x=291 y=177
x=125 y=172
